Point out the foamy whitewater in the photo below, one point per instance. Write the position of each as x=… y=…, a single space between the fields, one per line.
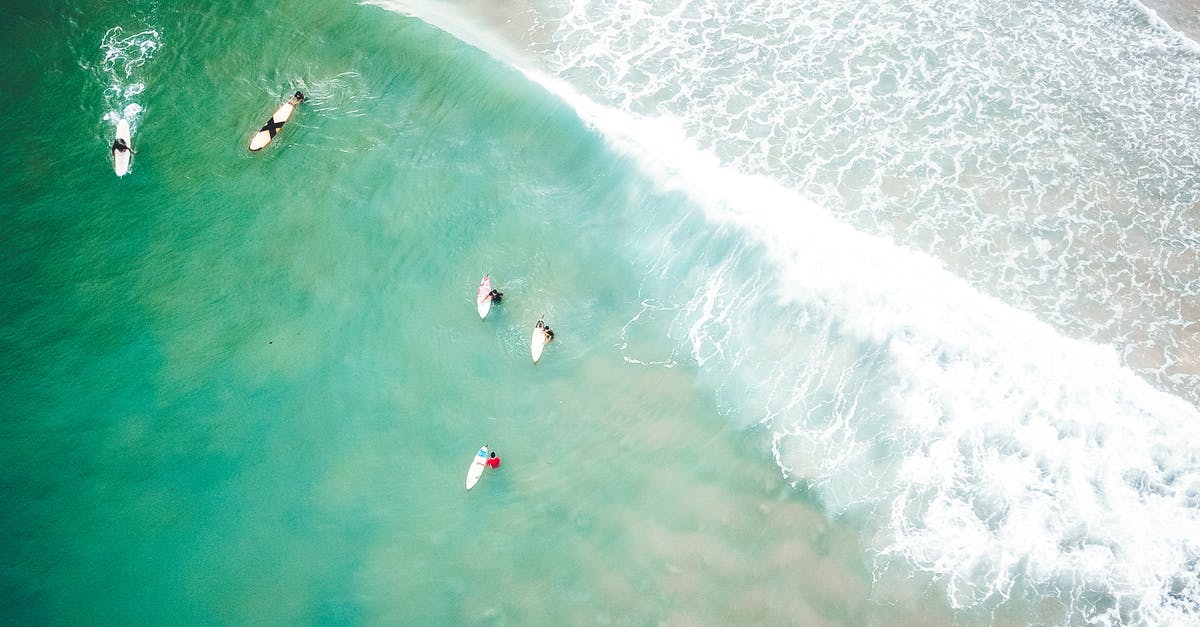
x=120 y=69
x=954 y=267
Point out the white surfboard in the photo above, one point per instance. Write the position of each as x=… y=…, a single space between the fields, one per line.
x=275 y=123
x=478 y=465
x=121 y=157
x=482 y=302
x=537 y=341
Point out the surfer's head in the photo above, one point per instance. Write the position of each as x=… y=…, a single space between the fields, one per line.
x=493 y=455
x=299 y=96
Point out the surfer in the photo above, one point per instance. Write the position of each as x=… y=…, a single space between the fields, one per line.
x=493 y=460
x=275 y=123
x=495 y=296
x=119 y=146
x=538 y=340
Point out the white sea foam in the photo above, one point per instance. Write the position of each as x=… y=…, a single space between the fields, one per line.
x=997 y=451
x=123 y=56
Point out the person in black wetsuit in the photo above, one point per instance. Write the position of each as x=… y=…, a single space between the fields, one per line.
x=119 y=145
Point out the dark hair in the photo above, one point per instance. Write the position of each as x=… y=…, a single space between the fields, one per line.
x=300 y=95
x=493 y=453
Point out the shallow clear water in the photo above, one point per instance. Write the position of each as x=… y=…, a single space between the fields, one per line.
x=798 y=377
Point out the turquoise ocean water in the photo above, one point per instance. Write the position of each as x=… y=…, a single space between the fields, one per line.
x=877 y=336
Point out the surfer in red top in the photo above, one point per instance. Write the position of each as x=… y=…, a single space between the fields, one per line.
x=493 y=460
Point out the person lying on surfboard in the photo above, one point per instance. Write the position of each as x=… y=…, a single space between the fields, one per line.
x=547 y=332
x=275 y=123
x=119 y=145
x=493 y=460
x=495 y=296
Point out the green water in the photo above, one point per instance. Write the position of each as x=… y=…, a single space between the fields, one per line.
x=245 y=388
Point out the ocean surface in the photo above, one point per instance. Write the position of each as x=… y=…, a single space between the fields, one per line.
x=866 y=312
